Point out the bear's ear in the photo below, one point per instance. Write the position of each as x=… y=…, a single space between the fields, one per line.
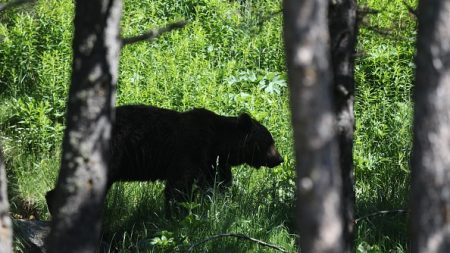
x=245 y=122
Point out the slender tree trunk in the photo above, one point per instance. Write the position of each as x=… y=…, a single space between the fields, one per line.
x=80 y=190
x=343 y=32
x=319 y=182
x=5 y=220
x=430 y=198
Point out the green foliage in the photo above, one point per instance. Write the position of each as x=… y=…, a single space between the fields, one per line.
x=383 y=111
x=34 y=124
x=229 y=59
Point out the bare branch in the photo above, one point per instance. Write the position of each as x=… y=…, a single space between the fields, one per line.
x=152 y=34
x=362 y=12
x=384 y=212
x=12 y=4
x=239 y=236
x=387 y=33
x=268 y=17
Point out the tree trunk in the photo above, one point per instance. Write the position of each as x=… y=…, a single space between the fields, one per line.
x=343 y=32
x=430 y=163
x=80 y=189
x=319 y=182
x=5 y=220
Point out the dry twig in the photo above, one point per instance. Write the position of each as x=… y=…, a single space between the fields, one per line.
x=12 y=4
x=239 y=236
x=152 y=34
x=268 y=17
x=397 y=211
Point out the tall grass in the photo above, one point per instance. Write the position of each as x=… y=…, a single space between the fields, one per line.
x=229 y=59
x=383 y=111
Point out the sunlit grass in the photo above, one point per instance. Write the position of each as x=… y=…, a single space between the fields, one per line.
x=225 y=61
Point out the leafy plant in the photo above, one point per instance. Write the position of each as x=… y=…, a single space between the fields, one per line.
x=226 y=61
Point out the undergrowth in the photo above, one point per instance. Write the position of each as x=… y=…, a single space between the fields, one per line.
x=229 y=59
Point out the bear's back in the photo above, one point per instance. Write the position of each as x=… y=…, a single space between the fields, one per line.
x=142 y=142
x=150 y=143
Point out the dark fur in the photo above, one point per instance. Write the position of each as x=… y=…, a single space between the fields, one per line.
x=150 y=143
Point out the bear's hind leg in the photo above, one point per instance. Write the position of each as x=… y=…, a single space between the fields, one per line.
x=175 y=193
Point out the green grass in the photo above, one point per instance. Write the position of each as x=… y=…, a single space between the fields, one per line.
x=224 y=61
x=383 y=112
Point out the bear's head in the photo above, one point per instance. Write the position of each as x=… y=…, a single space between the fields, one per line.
x=258 y=148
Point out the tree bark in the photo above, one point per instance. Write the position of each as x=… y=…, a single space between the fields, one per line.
x=430 y=163
x=319 y=212
x=5 y=220
x=80 y=189
x=343 y=33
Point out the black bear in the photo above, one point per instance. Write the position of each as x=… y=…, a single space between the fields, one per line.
x=150 y=143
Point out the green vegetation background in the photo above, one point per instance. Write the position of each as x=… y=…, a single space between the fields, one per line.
x=228 y=59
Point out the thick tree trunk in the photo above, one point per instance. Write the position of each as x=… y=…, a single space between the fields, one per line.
x=5 y=220
x=430 y=198
x=80 y=190
x=343 y=32
x=319 y=182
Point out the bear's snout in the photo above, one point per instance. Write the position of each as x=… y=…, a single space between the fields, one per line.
x=275 y=161
x=274 y=157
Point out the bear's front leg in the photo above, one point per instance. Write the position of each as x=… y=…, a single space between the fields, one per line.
x=219 y=175
x=225 y=177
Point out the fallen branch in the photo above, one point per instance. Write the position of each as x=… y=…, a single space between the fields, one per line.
x=152 y=34
x=12 y=4
x=397 y=211
x=239 y=236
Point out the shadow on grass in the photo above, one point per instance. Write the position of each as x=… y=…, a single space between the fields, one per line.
x=135 y=222
x=379 y=231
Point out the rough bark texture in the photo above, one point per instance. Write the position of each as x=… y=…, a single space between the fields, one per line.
x=5 y=220
x=80 y=189
x=343 y=32
x=430 y=198
x=319 y=182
